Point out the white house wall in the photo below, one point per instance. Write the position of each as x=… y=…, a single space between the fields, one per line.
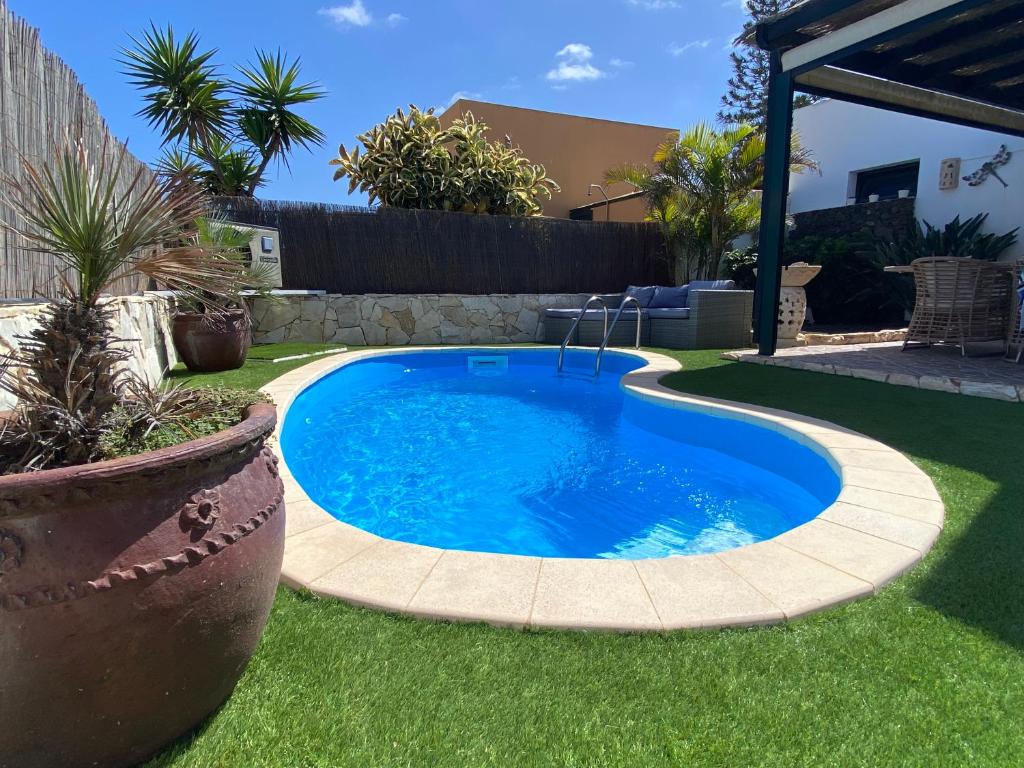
x=848 y=137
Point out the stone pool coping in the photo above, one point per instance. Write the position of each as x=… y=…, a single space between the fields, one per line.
x=886 y=518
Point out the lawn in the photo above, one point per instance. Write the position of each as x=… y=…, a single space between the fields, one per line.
x=930 y=672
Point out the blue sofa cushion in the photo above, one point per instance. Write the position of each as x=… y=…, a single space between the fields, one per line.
x=670 y=296
x=642 y=293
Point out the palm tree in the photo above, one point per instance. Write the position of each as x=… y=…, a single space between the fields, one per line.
x=701 y=190
x=68 y=375
x=223 y=132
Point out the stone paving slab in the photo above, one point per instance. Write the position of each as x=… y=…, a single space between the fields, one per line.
x=885 y=519
x=940 y=369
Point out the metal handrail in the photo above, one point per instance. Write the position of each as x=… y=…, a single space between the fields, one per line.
x=576 y=322
x=608 y=331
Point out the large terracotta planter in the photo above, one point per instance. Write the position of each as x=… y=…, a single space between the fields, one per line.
x=208 y=343
x=132 y=594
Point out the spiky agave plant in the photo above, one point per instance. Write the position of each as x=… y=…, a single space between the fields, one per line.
x=68 y=374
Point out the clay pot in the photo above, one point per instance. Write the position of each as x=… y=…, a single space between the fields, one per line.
x=208 y=343
x=132 y=594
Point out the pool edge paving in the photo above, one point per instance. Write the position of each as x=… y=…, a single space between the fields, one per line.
x=885 y=520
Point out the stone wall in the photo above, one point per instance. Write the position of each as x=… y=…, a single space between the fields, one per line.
x=143 y=322
x=886 y=219
x=406 y=319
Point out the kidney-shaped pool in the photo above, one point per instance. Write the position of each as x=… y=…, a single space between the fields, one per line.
x=493 y=451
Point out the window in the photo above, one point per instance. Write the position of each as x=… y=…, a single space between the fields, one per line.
x=887 y=182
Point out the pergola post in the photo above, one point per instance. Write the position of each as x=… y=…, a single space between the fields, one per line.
x=773 y=205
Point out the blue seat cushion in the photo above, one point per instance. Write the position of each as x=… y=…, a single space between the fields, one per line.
x=642 y=293
x=670 y=296
x=669 y=313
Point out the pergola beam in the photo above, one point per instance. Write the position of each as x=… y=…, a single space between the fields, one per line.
x=937 y=76
x=876 y=29
x=873 y=91
x=770 y=31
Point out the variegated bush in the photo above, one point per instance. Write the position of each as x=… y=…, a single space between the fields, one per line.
x=411 y=161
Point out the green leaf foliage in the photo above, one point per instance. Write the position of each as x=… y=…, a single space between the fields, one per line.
x=222 y=132
x=963 y=239
x=700 y=190
x=412 y=161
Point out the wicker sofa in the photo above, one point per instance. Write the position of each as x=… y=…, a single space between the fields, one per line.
x=702 y=315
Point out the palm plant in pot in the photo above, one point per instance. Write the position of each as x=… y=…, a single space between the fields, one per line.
x=210 y=336
x=141 y=531
x=224 y=133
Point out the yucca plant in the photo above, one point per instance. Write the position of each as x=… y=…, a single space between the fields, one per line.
x=68 y=374
x=225 y=132
x=411 y=161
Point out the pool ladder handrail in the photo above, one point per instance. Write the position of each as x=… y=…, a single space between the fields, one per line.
x=575 y=325
x=608 y=331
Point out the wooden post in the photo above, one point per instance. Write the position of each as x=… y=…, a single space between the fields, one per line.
x=773 y=205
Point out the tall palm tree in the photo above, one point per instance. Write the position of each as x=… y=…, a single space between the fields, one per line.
x=224 y=132
x=68 y=374
x=701 y=190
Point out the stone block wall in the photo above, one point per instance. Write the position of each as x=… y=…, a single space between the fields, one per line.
x=396 y=319
x=886 y=219
x=142 y=322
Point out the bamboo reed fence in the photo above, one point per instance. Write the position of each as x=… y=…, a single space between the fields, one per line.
x=342 y=249
x=41 y=102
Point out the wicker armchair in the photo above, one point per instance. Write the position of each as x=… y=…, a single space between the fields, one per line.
x=961 y=302
x=1017 y=325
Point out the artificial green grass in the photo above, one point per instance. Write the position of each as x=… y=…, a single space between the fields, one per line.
x=259 y=368
x=930 y=672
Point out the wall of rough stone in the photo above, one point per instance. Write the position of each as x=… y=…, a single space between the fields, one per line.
x=886 y=219
x=406 y=319
x=142 y=322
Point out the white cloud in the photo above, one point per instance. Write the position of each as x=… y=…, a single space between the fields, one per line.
x=574 y=64
x=354 y=15
x=620 y=63
x=678 y=50
x=394 y=19
x=655 y=5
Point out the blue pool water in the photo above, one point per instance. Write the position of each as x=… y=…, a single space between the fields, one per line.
x=508 y=456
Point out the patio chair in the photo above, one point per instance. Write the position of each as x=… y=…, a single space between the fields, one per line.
x=1017 y=325
x=960 y=301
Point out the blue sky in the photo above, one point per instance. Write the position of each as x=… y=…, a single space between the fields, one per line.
x=662 y=62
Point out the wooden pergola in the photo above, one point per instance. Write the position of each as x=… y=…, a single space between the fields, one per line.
x=960 y=61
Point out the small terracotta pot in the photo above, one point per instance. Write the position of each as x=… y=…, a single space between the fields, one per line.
x=132 y=594
x=209 y=343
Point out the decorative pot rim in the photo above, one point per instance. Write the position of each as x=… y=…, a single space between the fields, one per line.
x=258 y=421
x=232 y=314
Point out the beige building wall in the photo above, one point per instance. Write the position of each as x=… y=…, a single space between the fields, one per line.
x=576 y=151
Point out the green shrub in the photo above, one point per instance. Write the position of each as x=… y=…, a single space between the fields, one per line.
x=852 y=288
x=739 y=267
x=410 y=161
x=963 y=239
x=148 y=420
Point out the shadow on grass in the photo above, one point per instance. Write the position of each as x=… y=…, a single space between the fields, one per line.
x=972 y=449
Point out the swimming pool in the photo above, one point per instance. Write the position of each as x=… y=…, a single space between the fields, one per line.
x=493 y=451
